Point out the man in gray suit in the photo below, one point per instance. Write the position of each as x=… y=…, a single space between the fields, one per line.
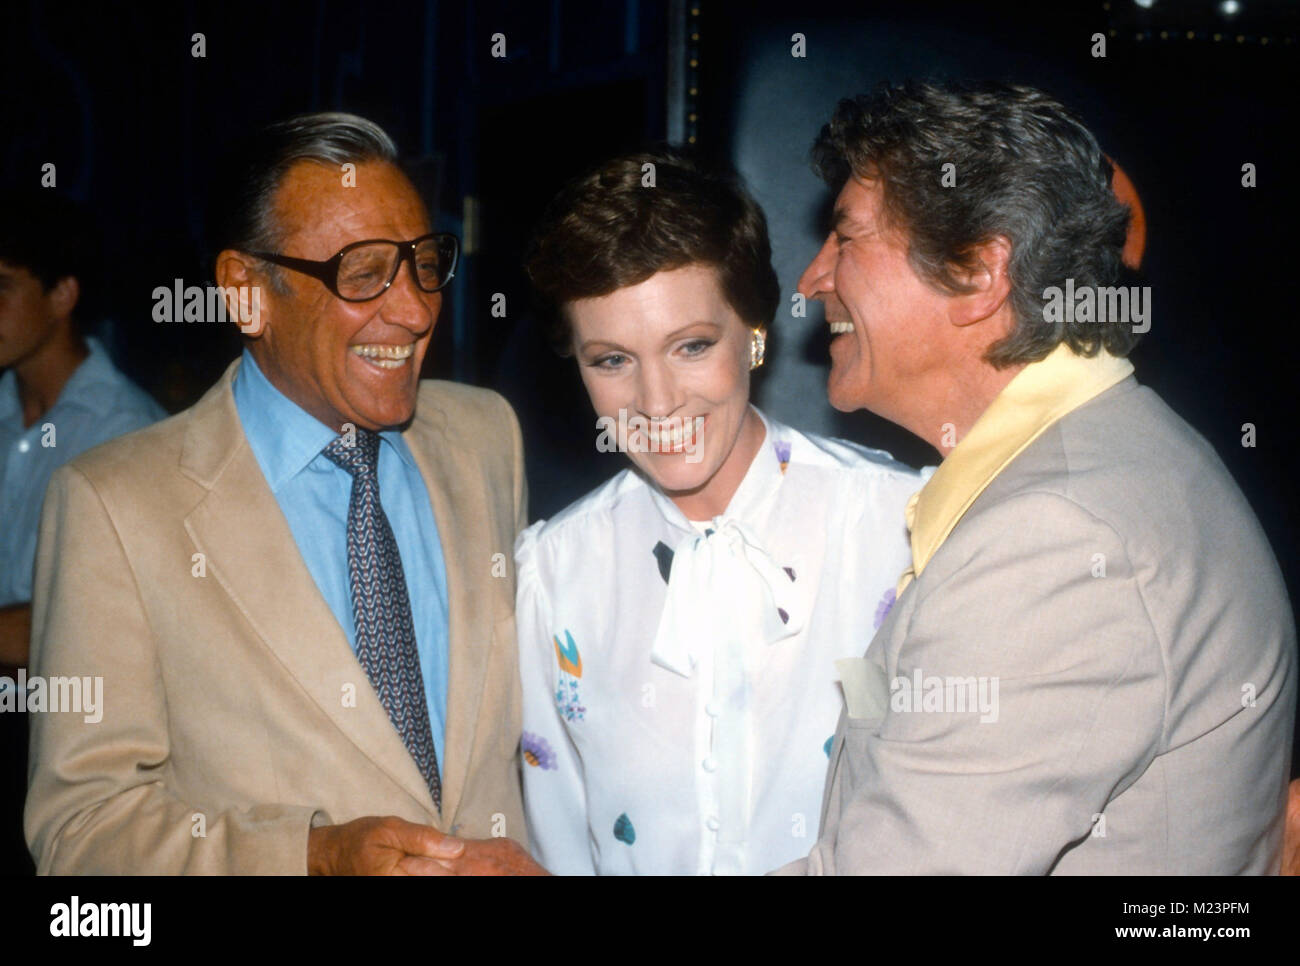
x=1090 y=666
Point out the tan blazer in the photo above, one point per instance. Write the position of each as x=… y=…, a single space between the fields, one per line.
x=1115 y=584
x=235 y=713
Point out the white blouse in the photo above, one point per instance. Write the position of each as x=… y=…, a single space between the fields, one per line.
x=679 y=687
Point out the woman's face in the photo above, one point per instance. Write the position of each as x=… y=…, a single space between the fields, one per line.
x=673 y=356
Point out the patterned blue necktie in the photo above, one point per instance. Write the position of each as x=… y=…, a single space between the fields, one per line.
x=381 y=607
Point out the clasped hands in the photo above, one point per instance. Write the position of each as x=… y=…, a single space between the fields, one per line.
x=394 y=846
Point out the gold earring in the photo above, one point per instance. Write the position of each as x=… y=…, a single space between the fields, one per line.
x=757 y=347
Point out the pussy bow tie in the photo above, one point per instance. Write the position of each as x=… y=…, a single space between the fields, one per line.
x=724 y=584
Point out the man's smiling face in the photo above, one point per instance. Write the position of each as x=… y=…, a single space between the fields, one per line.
x=885 y=321
x=346 y=362
x=27 y=319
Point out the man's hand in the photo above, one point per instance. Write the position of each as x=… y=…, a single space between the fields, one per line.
x=493 y=857
x=380 y=846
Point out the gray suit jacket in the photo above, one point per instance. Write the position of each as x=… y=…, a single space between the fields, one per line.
x=1114 y=585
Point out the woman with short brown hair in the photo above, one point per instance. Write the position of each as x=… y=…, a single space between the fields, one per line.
x=679 y=626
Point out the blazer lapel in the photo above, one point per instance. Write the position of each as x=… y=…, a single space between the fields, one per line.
x=251 y=552
x=460 y=510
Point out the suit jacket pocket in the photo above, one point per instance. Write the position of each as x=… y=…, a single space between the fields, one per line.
x=866 y=691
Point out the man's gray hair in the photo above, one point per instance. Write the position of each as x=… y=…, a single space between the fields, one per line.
x=243 y=215
x=1026 y=168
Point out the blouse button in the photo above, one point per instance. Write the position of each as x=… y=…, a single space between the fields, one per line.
x=713 y=824
x=710 y=764
x=712 y=709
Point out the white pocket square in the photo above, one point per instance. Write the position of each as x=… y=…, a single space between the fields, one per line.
x=866 y=689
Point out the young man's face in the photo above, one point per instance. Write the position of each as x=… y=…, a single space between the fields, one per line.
x=28 y=314
x=884 y=319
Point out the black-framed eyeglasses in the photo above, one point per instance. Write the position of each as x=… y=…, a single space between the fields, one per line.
x=365 y=269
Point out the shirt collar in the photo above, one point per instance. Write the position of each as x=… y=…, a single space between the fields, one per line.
x=284 y=437
x=94 y=370
x=1038 y=396
x=10 y=407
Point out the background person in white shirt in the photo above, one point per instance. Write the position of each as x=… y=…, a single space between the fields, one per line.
x=679 y=626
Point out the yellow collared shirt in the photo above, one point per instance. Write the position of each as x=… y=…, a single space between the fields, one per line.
x=1029 y=404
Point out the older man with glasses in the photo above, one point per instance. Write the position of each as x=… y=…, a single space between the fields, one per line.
x=289 y=591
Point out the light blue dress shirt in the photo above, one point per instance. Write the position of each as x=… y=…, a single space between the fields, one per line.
x=96 y=404
x=313 y=493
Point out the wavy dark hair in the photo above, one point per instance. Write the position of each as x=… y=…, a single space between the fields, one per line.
x=607 y=230
x=53 y=237
x=1026 y=168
